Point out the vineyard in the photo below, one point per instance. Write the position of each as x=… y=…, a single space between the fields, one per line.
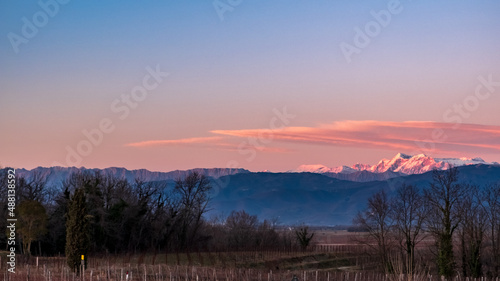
x=245 y=266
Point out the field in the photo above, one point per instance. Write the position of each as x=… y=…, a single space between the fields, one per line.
x=205 y=266
x=334 y=256
x=330 y=259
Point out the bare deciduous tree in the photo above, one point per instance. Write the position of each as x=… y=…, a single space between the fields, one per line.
x=408 y=212
x=491 y=204
x=32 y=222
x=376 y=219
x=444 y=198
x=241 y=228
x=32 y=188
x=193 y=195
x=473 y=225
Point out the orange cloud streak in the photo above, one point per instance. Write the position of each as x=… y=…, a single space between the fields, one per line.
x=406 y=136
x=217 y=142
x=187 y=141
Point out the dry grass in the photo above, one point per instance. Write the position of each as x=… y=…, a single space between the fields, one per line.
x=244 y=266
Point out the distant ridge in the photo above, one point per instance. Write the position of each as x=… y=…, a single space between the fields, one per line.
x=293 y=198
x=56 y=175
x=400 y=165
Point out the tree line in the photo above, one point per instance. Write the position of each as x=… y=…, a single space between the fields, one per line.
x=96 y=213
x=456 y=224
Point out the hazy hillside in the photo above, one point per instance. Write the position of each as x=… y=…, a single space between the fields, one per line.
x=317 y=199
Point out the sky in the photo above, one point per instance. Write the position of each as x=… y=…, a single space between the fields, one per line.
x=261 y=85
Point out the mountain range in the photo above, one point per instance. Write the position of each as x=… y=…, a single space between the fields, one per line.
x=401 y=163
x=311 y=194
x=56 y=175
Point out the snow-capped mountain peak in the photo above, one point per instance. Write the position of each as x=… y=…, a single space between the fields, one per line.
x=462 y=161
x=322 y=169
x=401 y=163
x=361 y=167
x=343 y=169
x=403 y=156
x=317 y=168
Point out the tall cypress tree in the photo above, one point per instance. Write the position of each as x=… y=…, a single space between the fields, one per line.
x=77 y=230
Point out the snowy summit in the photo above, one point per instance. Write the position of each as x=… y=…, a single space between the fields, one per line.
x=401 y=163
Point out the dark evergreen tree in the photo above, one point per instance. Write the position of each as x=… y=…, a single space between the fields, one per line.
x=77 y=230
x=304 y=237
x=57 y=223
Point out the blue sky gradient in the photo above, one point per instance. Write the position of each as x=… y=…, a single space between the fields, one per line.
x=231 y=74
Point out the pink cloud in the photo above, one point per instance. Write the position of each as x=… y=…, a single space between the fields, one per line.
x=408 y=136
x=186 y=141
x=405 y=136
x=216 y=142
